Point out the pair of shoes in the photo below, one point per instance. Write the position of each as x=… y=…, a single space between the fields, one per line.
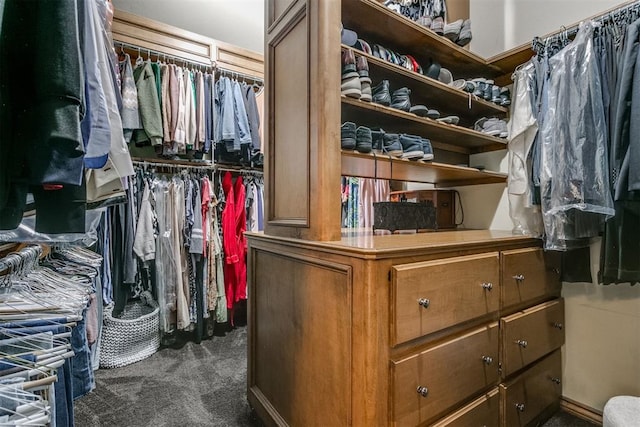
x=485 y=89
x=450 y=120
x=416 y=148
x=492 y=126
x=399 y=99
x=386 y=143
x=423 y=111
x=437 y=25
x=355 y=138
x=464 y=85
x=458 y=32
x=355 y=76
x=405 y=61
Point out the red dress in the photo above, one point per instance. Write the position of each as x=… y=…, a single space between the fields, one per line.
x=234 y=225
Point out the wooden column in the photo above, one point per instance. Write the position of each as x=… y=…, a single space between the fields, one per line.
x=302 y=150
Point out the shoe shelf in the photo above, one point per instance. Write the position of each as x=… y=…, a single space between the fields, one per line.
x=432 y=93
x=375 y=23
x=373 y=115
x=382 y=166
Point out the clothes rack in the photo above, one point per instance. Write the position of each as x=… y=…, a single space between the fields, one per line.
x=539 y=44
x=211 y=66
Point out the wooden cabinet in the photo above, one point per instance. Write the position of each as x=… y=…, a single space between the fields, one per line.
x=526 y=397
x=530 y=334
x=427 y=384
x=484 y=411
x=433 y=295
x=361 y=330
x=350 y=318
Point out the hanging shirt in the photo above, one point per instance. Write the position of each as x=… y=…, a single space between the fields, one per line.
x=149 y=105
x=130 y=113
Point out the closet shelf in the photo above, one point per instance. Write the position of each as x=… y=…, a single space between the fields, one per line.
x=392 y=120
x=430 y=92
x=441 y=174
x=375 y=23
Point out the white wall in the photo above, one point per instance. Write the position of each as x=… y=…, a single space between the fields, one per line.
x=499 y=25
x=601 y=356
x=239 y=22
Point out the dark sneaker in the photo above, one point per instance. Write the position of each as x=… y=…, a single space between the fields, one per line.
x=480 y=86
x=427 y=149
x=391 y=144
x=348 y=136
x=411 y=147
x=419 y=110
x=465 y=34
x=495 y=94
x=452 y=30
x=400 y=99
x=365 y=82
x=377 y=140
x=505 y=97
x=437 y=25
x=363 y=139
x=488 y=90
x=350 y=86
x=380 y=93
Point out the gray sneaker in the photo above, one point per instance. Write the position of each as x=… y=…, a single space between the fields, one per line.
x=452 y=30
x=348 y=136
x=363 y=139
x=427 y=149
x=411 y=147
x=391 y=144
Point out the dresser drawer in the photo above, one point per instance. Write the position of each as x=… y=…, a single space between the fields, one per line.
x=528 y=274
x=434 y=295
x=427 y=384
x=484 y=411
x=530 y=334
x=531 y=393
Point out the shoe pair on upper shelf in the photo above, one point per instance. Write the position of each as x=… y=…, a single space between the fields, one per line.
x=399 y=99
x=364 y=139
x=458 y=32
x=492 y=126
x=355 y=76
x=485 y=89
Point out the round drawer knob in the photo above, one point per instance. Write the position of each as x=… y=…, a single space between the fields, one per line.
x=555 y=380
x=424 y=302
x=487 y=286
x=519 y=277
x=522 y=343
x=422 y=391
x=558 y=325
x=488 y=360
x=520 y=407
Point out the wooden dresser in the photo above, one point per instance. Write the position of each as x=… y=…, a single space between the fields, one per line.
x=456 y=328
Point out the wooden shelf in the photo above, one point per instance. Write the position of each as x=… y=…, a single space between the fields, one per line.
x=442 y=175
x=375 y=23
x=392 y=120
x=432 y=93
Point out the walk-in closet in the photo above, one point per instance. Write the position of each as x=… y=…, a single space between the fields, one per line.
x=319 y=213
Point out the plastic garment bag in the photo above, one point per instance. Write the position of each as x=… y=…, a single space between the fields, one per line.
x=576 y=197
x=523 y=127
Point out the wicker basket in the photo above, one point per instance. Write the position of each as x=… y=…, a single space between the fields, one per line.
x=133 y=336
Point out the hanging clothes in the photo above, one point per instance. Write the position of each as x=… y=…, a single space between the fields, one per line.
x=233 y=227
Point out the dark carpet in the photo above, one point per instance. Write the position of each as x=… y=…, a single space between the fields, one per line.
x=195 y=385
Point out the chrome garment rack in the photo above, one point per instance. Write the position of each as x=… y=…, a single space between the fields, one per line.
x=620 y=14
x=212 y=66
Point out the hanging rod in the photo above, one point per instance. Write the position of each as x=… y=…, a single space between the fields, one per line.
x=566 y=33
x=173 y=164
x=159 y=54
x=213 y=65
x=242 y=171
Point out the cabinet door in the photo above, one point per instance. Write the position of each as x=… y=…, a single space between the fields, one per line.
x=524 y=398
x=429 y=383
x=530 y=334
x=527 y=275
x=484 y=411
x=434 y=295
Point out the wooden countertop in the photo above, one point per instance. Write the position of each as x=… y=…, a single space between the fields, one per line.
x=365 y=244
